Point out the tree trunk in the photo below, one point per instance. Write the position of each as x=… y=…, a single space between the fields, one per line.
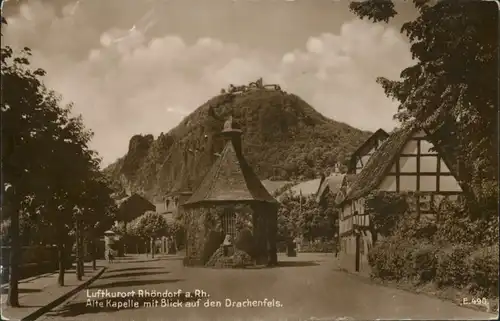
x=78 y=251
x=82 y=253
x=152 y=248
x=13 y=295
x=94 y=254
x=62 y=259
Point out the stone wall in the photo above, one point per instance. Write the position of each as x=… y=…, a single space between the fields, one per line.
x=205 y=232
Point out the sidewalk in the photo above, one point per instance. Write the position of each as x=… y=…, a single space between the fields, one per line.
x=40 y=294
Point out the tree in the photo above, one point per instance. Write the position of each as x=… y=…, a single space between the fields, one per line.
x=24 y=127
x=41 y=144
x=99 y=209
x=61 y=200
x=150 y=225
x=452 y=87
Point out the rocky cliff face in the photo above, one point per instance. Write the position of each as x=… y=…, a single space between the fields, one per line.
x=284 y=138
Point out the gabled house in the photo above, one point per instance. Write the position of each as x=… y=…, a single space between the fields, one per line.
x=171 y=210
x=334 y=184
x=408 y=162
x=133 y=206
x=359 y=158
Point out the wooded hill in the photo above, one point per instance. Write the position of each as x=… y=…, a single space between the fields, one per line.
x=284 y=139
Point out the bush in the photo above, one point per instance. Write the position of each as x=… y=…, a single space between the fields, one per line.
x=391 y=259
x=457 y=225
x=241 y=259
x=452 y=269
x=425 y=261
x=483 y=269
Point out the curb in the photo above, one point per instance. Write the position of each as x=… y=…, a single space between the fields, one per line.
x=33 y=278
x=38 y=313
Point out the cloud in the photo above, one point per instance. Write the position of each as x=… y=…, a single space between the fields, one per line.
x=124 y=81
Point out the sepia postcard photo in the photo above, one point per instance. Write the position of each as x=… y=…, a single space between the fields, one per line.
x=253 y=160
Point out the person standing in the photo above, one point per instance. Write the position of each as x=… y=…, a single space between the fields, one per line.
x=110 y=256
x=297 y=243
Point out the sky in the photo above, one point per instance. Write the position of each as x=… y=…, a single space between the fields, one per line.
x=140 y=66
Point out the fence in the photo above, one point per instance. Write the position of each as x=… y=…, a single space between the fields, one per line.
x=34 y=260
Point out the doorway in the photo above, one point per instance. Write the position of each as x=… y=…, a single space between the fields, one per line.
x=358 y=254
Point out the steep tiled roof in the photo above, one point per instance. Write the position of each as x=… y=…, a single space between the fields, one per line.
x=332 y=183
x=306 y=188
x=133 y=206
x=379 y=164
x=378 y=133
x=273 y=186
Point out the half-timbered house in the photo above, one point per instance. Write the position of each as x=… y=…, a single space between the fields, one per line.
x=407 y=162
x=359 y=158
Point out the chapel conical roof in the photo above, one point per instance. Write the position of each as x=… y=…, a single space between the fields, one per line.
x=231 y=178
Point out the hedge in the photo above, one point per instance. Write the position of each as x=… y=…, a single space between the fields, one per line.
x=458 y=266
x=483 y=269
x=321 y=247
x=452 y=268
x=391 y=259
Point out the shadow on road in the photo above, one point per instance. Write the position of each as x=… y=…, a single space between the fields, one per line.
x=141 y=261
x=150 y=259
x=133 y=283
x=131 y=274
x=116 y=304
x=6 y=290
x=138 y=269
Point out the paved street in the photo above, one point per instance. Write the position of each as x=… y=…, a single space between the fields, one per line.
x=306 y=287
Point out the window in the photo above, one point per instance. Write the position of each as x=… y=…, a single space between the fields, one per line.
x=228 y=223
x=425 y=203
